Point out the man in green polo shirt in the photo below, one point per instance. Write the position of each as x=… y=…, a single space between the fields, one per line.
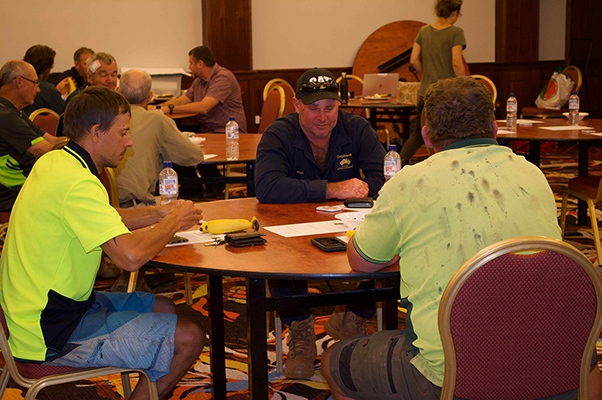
x=432 y=217
x=60 y=225
x=21 y=141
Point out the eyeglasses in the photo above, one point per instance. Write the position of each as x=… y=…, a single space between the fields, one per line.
x=313 y=87
x=37 y=83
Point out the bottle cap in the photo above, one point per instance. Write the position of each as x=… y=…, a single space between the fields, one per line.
x=166 y=164
x=231 y=118
x=512 y=94
x=392 y=147
x=158 y=108
x=574 y=92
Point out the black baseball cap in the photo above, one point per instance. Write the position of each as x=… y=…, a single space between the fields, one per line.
x=317 y=84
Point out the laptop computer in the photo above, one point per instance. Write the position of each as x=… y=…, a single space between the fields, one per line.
x=381 y=84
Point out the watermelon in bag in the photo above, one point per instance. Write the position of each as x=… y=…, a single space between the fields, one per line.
x=556 y=92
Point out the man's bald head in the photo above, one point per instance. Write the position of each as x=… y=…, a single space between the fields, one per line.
x=135 y=86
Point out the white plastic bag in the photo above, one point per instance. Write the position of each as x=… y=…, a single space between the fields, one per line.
x=556 y=92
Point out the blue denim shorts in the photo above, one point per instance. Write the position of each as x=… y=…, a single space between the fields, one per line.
x=120 y=330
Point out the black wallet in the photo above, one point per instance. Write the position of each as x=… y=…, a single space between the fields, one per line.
x=244 y=239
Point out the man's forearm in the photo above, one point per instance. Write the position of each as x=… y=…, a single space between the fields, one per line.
x=358 y=263
x=136 y=218
x=131 y=251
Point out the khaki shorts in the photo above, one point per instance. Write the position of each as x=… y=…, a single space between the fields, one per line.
x=378 y=367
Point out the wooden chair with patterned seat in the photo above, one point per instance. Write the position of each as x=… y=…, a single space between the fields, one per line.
x=273 y=107
x=46 y=119
x=36 y=377
x=520 y=319
x=289 y=93
x=588 y=189
x=536 y=112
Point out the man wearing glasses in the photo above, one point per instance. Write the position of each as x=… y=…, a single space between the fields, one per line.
x=313 y=155
x=21 y=141
x=102 y=71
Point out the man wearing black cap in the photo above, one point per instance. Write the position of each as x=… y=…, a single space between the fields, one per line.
x=314 y=155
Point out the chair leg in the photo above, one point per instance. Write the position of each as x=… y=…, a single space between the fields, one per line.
x=565 y=198
x=278 y=334
x=4 y=380
x=125 y=383
x=132 y=282
x=596 y=232
x=379 y=307
x=188 y=288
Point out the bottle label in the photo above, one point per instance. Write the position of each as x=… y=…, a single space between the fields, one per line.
x=391 y=167
x=231 y=133
x=169 y=186
x=511 y=107
x=573 y=104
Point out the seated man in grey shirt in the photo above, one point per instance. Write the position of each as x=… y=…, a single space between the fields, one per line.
x=156 y=139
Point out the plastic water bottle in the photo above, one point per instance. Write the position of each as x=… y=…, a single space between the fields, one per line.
x=168 y=183
x=574 y=109
x=232 y=140
x=344 y=88
x=511 y=113
x=392 y=162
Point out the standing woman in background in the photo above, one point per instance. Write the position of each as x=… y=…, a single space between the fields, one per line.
x=437 y=54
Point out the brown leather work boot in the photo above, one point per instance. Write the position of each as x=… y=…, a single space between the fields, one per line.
x=301 y=350
x=344 y=324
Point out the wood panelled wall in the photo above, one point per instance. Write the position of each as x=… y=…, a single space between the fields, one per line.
x=525 y=80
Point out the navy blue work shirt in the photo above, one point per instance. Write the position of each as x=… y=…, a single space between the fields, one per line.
x=287 y=172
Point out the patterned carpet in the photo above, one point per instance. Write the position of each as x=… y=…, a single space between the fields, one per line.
x=558 y=164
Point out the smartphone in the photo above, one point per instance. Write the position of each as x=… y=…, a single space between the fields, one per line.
x=177 y=239
x=359 y=202
x=330 y=243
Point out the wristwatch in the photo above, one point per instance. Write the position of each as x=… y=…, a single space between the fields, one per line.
x=170 y=106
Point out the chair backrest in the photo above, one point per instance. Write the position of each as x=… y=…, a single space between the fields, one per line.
x=60 y=144
x=273 y=107
x=46 y=119
x=488 y=84
x=354 y=83
x=289 y=93
x=575 y=74
x=109 y=181
x=507 y=319
x=4 y=217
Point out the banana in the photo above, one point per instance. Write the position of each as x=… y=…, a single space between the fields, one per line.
x=71 y=85
x=229 y=225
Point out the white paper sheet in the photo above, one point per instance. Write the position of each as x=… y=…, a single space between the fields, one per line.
x=566 y=128
x=505 y=132
x=520 y=121
x=196 y=237
x=196 y=139
x=307 y=229
x=208 y=156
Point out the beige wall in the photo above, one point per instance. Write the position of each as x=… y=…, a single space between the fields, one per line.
x=138 y=33
x=307 y=33
x=286 y=33
x=552 y=29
